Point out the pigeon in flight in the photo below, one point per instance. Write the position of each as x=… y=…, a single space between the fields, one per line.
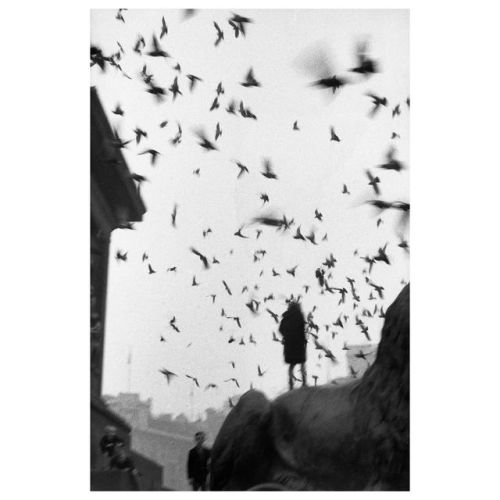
x=157 y=51
x=168 y=374
x=374 y=182
x=121 y=256
x=194 y=379
x=174 y=88
x=118 y=110
x=377 y=102
x=391 y=162
x=206 y=265
x=333 y=135
x=220 y=34
x=366 y=66
x=268 y=170
x=205 y=143
x=153 y=153
x=164 y=28
x=193 y=79
x=250 y=80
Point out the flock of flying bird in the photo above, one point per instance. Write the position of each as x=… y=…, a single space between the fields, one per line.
x=326 y=79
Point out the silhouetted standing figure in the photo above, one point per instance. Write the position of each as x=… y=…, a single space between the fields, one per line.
x=292 y=327
x=198 y=463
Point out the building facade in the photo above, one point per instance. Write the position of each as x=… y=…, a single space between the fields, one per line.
x=114 y=203
x=164 y=439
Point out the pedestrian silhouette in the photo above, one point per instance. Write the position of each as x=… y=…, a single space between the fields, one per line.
x=292 y=327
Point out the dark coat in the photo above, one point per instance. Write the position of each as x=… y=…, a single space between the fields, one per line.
x=292 y=328
x=197 y=466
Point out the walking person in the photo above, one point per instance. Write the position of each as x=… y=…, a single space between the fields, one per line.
x=292 y=327
x=197 y=466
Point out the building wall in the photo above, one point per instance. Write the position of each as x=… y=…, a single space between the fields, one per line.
x=100 y=419
x=170 y=450
x=164 y=439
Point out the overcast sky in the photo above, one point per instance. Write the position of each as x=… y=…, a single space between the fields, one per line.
x=311 y=172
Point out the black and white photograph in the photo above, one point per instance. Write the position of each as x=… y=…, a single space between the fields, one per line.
x=250 y=250
x=220 y=195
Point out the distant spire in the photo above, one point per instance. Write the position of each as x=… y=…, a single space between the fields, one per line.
x=129 y=363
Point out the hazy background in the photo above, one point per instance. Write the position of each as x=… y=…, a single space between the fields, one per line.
x=311 y=171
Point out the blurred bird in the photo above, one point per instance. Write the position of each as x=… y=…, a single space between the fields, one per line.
x=219 y=89
x=238 y=23
x=139 y=133
x=231 y=108
x=233 y=380
x=333 y=135
x=273 y=315
x=194 y=379
x=366 y=66
x=202 y=258
x=239 y=233
x=396 y=111
x=391 y=162
x=260 y=372
x=121 y=256
x=374 y=181
x=228 y=290
x=268 y=171
x=312 y=237
x=118 y=142
x=218 y=131
x=118 y=110
x=173 y=216
x=189 y=13
x=150 y=269
x=154 y=154
x=382 y=256
x=220 y=34
x=377 y=102
x=168 y=374
x=345 y=190
x=192 y=81
x=403 y=244
x=178 y=137
x=158 y=92
x=164 y=28
x=205 y=143
x=242 y=168
x=295 y=126
x=174 y=88
x=140 y=43
x=298 y=235
x=250 y=80
x=157 y=51
x=119 y=15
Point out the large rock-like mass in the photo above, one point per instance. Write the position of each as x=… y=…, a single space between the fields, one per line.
x=349 y=437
